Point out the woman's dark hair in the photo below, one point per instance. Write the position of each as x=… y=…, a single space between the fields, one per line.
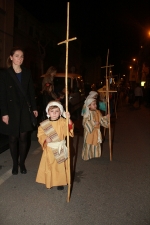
x=13 y=50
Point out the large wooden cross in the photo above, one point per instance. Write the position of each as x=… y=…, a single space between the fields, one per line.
x=66 y=89
x=107 y=101
x=111 y=91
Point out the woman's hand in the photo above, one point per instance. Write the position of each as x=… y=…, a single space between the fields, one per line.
x=5 y=119
x=35 y=113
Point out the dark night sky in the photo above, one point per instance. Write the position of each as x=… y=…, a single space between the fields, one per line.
x=122 y=27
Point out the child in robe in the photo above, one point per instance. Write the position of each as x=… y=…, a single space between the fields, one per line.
x=92 y=119
x=53 y=168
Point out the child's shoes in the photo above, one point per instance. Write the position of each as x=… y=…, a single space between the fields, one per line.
x=60 y=188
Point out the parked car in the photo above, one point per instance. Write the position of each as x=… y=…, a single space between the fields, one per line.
x=75 y=87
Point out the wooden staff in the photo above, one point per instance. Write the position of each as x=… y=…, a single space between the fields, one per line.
x=108 y=106
x=66 y=92
x=66 y=84
x=107 y=95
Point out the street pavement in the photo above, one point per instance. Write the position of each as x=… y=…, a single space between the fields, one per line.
x=104 y=192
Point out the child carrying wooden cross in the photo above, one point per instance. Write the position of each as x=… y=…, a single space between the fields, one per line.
x=92 y=119
x=53 y=169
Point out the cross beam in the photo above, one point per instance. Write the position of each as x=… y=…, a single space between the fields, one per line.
x=65 y=41
x=106 y=91
x=107 y=66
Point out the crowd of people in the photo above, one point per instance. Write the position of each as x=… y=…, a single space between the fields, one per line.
x=17 y=98
x=133 y=95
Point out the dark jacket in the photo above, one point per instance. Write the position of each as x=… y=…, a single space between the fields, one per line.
x=13 y=104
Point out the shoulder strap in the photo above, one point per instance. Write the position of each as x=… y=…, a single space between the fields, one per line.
x=11 y=72
x=49 y=130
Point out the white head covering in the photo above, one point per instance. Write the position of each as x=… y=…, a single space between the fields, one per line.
x=89 y=101
x=55 y=103
x=85 y=110
x=93 y=94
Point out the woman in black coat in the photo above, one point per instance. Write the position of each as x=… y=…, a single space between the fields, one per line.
x=15 y=113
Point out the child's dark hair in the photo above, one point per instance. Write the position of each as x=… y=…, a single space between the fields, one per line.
x=12 y=52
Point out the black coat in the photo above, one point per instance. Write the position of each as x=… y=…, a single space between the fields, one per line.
x=13 y=104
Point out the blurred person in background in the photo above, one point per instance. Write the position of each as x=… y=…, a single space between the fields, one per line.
x=48 y=79
x=138 y=93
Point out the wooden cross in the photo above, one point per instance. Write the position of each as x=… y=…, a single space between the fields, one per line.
x=66 y=90
x=107 y=100
x=116 y=98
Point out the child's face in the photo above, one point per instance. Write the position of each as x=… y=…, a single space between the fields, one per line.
x=93 y=106
x=54 y=113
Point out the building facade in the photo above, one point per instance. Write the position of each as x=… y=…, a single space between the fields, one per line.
x=6 y=29
x=39 y=41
